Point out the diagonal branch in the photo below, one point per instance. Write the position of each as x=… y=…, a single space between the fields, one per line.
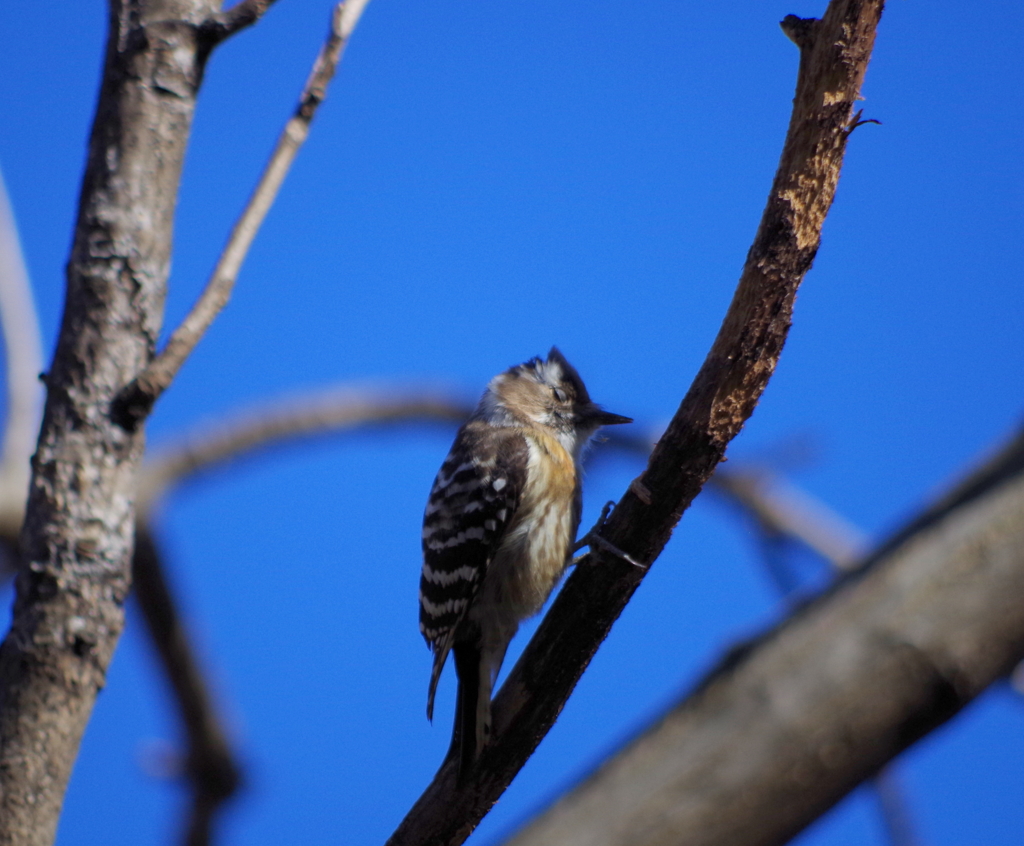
x=783 y=511
x=833 y=59
x=135 y=402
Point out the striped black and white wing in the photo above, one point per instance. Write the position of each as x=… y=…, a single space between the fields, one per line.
x=471 y=505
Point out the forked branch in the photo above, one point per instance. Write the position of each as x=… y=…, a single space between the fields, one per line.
x=137 y=400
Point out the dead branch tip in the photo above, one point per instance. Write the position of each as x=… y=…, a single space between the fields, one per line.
x=858 y=121
x=223 y=25
x=800 y=31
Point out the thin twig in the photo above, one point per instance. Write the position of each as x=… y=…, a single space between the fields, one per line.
x=721 y=399
x=776 y=504
x=1017 y=679
x=894 y=808
x=138 y=398
x=20 y=328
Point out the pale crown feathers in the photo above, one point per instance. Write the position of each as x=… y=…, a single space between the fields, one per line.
x=548 y=394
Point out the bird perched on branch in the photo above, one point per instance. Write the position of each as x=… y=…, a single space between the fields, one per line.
x=499 y=528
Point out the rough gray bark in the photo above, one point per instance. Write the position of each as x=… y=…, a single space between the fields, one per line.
x=834 y=54
x=786 y=727
x=77 y=539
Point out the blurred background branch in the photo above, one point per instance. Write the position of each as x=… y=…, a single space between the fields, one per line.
x=289 y=418
x=23 y=356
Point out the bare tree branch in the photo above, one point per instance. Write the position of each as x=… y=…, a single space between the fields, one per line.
x=24 y=359
x=786 y=725
x=777 y=506
x=137 y=400
x=783 y=511
x=209 y=766
x=722 y=397
x=289 y=418
x=783 y=508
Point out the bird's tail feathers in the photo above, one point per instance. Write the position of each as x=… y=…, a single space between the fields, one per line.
x=441 y=650
x=473 y=709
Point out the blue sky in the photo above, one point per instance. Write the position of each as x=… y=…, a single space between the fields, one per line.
x=484 y=181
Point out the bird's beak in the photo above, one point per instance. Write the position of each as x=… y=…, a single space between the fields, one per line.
x=600 y=417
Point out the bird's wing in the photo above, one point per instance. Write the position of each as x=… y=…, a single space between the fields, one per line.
x=472 y=504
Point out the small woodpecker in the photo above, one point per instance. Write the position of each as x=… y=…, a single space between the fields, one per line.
x=499 y=528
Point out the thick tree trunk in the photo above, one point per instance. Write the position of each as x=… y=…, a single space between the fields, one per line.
x=77 y=538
